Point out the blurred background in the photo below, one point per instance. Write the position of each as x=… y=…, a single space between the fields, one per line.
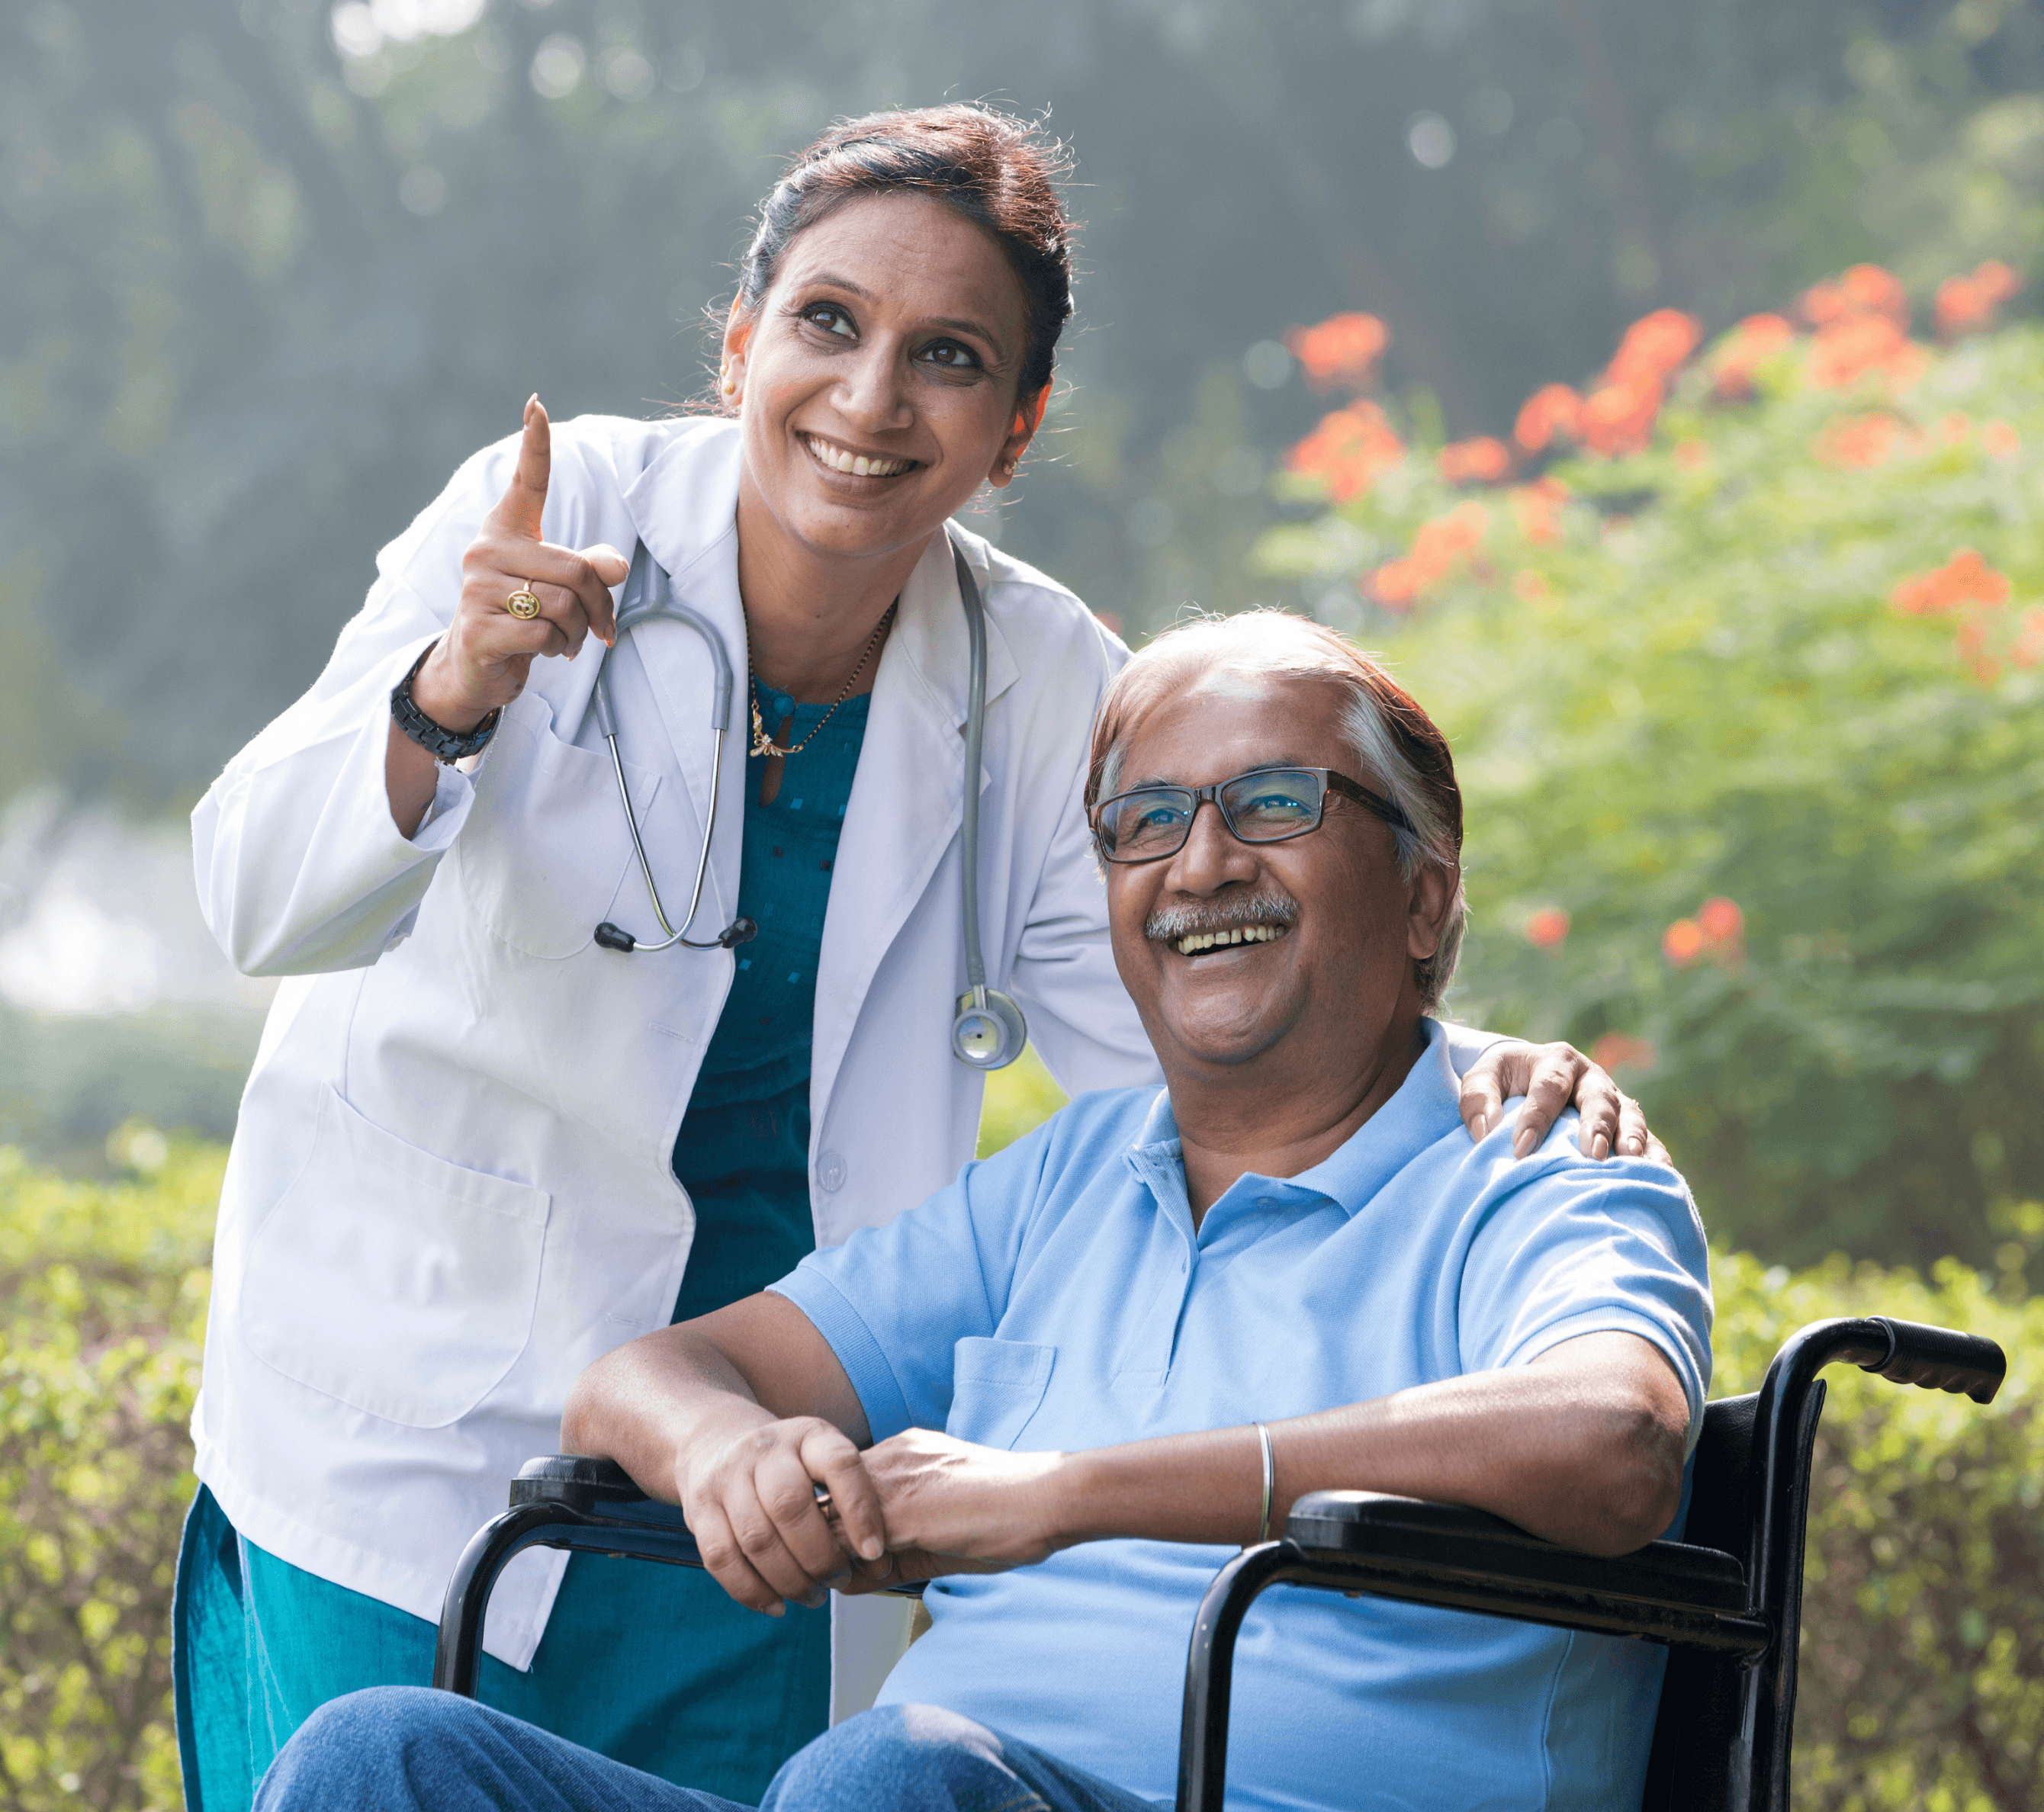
x=1737 y=632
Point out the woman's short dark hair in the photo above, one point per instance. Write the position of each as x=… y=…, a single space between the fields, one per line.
x=999 y=172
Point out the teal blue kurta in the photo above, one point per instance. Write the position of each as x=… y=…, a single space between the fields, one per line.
x=653 y=1665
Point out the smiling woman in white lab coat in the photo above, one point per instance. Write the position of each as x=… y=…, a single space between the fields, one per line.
x=480 y=1148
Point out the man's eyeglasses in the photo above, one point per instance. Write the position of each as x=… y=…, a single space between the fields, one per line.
x=1265 y=805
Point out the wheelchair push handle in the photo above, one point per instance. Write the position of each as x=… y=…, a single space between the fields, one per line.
x=1939 y=1359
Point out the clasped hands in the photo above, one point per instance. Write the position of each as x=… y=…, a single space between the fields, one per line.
x=916 y=1505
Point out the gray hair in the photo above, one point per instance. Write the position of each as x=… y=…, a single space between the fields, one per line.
x=1401 y=750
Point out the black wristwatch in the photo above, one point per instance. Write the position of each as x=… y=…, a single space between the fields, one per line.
x=442 y=745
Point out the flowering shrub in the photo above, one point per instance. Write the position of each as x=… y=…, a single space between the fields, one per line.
x=1744 y=679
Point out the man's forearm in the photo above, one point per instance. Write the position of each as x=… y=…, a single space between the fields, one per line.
x=1595 y=1465
x=655 y=1398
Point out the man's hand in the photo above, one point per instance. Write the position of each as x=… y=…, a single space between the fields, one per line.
x=1553 y=1077
x=751 y=1504
x=951 y=1507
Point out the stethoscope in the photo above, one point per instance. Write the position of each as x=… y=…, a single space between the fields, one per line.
x=990 y=1031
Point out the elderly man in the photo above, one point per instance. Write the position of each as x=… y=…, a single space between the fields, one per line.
x=1062 y=1388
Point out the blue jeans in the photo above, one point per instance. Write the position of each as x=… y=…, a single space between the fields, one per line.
x=409 y=1749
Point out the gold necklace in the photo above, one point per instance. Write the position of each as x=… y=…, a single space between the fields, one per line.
x=762 y=744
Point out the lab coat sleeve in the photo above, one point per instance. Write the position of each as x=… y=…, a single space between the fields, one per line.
x=301 y=869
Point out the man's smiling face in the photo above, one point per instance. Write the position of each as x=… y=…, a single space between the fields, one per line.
x=1232 y=949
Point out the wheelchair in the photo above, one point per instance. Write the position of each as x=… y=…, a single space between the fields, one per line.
x=1726 y=1600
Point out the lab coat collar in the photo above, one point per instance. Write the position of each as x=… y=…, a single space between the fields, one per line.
x=908 y=796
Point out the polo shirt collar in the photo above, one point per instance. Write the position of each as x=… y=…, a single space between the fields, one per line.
x=1425 y=1107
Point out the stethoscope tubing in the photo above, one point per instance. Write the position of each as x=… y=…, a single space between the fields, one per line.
x=983 y=1015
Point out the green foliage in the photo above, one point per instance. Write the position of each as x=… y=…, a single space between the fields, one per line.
x=102 y=1296
x=1018 y=1099
x=1697 y=680
x=1922 y=1678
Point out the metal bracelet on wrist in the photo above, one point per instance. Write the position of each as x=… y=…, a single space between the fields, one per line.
x=442 y=745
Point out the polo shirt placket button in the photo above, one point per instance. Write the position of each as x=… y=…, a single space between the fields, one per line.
x=830 y=1172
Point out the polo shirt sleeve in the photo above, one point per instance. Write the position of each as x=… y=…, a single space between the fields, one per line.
x=1564 y=1247
x=894 y=1301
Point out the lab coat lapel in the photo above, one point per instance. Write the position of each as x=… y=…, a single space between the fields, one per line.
x=907 y=798
x=684 y=507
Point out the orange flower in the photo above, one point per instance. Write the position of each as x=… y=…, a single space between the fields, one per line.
x=1961 y=307
x=1858 y=345
x=1551 y=410
x=1436 y=549
x=1483 y=461
x=1964 y=579
x=1683 y=942
x=1997 y=280
x=2027 y=649
x=1954 y=425
x=1538 y=506
x=1618 y=418
x=1965 y=305
x=1691 y=455
x=1865 y=289
x=1720 y=920
x=1528 y=586
x=1718 y=931
x=1348 y=451
x=2000 y=440
x=1741 y=350
x=1858 y=440
x=1546 y=928
x=1654 y=347
x=1343 y=349
x=1621 y=1051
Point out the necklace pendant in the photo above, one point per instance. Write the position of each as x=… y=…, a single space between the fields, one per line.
x=762 y=743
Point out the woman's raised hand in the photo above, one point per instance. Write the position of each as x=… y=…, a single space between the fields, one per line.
x=482 y=661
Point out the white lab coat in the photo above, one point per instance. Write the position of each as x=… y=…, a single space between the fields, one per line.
x=450 y=1189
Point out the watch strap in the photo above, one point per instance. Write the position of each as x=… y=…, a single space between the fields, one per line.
x=442 y=745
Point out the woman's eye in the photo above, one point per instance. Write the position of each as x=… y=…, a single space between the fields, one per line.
x=950 y=356
x=830 y=318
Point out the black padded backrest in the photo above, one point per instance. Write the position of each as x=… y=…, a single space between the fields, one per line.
x=1696 y=1734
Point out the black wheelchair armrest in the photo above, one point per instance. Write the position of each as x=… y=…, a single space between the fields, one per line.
x=559 y=1500
x=1357 y=1542
x=1450 y=1555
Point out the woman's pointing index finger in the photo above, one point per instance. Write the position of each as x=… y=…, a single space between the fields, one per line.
x=524 y=499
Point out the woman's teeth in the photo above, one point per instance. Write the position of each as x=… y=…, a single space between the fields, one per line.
x=839 y=460
x=1242 y=934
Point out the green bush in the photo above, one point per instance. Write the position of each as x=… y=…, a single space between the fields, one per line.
x=102 y=1299
x=1749 y=721
x=1924 y=1646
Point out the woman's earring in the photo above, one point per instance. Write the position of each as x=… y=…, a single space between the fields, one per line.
x=728 y=385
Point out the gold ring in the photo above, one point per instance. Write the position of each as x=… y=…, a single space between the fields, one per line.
x=523 y=604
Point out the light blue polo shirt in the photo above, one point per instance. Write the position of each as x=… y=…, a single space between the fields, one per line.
x=1056 y=1296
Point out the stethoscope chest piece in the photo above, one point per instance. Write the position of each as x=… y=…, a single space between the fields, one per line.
x=990 y=1031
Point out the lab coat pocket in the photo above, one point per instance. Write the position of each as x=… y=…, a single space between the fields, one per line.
x=546 y=847
x=398 y=1283
x=997 y=1386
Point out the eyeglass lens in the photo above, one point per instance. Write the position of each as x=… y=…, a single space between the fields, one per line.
x=1265 y=807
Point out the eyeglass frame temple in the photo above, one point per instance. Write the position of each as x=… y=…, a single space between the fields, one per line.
x=1330 y=781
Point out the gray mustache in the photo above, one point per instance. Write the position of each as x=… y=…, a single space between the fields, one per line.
x=1223 y=915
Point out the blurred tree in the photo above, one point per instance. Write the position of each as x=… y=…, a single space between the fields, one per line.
x=277 y=266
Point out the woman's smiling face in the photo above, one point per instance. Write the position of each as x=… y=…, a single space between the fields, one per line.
x=891 y=340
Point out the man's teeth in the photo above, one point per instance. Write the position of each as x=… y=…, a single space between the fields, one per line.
x=1241 y=935
x=839 y=460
